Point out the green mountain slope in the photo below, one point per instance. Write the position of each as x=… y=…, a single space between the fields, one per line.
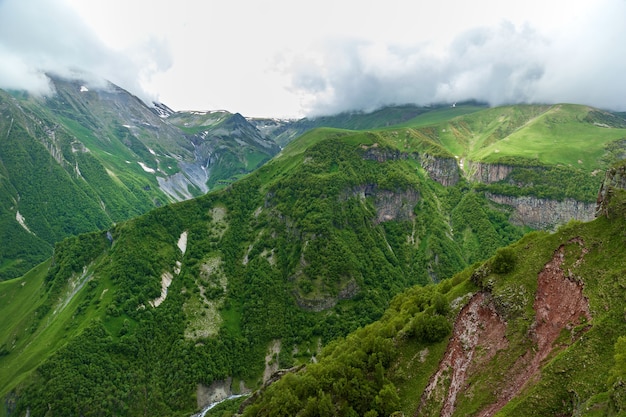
x=87 y=157
x=310 y=246
x=537 y=330
x=258 y=276
x=284 y=131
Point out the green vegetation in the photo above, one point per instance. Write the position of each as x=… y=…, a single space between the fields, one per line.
x=75 y=162
x=309 y=249
x=394 y=358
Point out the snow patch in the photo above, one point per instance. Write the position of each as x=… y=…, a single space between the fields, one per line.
x=83 y=89
x=166 y=281
x=151 y=151
x=182 y=242
x=22 y=221
x=146 y=168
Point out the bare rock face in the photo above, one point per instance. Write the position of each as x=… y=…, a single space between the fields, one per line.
x=478 y=328
x=479 y=335
x=390 y=205
x=443 y=170
x=614 y=182
x=487 y=173
x=544 y=214
x=395 y=205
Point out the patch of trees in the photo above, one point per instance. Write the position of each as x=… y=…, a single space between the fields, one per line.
x=353 y=376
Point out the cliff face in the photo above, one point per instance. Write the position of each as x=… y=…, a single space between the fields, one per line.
x=441 y=169
x=534 y=212
x=614 y=182
x=487 y=173
x=390 y=205
x=544 y=214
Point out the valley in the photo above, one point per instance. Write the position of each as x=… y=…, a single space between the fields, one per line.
x=369 y=253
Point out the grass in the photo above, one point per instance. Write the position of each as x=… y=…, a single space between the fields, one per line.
x=440 y=115
x=30 y=339
x=558 y=136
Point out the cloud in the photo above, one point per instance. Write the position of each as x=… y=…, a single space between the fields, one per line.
x=46 y=36
x=502 y=64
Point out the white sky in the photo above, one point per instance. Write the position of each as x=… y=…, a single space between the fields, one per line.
x=290 y=58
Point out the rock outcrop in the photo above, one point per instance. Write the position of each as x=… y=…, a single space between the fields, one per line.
x=544 y=214
x=390 y=205
x=486 y=173
x=444 y=170
x=614 y=182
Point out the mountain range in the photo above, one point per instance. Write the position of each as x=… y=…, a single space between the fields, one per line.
x=199 y=253
x=88 y=157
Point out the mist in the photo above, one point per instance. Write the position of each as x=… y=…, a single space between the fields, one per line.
x=275 y=60
x=504 y=64
x=38 y=37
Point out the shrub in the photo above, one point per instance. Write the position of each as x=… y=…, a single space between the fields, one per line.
x=431 y=328
x=504 y=261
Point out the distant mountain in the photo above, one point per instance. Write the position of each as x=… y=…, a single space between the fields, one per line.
x=226 y=145
x=283 y=131
x=89 y=156
x=157 y=314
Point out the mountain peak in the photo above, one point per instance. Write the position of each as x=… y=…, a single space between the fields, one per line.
x=162 y=110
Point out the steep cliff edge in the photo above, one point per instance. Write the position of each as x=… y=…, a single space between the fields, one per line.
x=443 y=169
x=542 y=213
x=614 y=183
x=542 y=197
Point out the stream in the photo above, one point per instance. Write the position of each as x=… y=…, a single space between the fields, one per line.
x=211 y=405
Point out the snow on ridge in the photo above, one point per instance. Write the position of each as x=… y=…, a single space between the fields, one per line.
x=182 y=242
x=22 y=221
x=146 y=168
x=83 y=89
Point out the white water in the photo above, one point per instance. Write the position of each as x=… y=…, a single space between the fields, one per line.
x=208 y=407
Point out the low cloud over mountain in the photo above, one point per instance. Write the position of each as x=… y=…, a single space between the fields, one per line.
x=46 y=36
x=283 y=60
x=503 y=64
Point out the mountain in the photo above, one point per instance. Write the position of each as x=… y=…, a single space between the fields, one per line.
x=156 y=314
x=306 y=248
x=89 y=156
x=283 y=131
x=537 y=330
x=226 y=145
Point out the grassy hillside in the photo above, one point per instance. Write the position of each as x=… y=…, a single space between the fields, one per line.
x=554 y=152
x=309 y=247
x=284 y=131
x=84 y=158
x=304 y=250
x=386 y=367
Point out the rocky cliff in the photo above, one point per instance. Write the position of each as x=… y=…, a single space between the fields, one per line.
x=614 y=182
x=444 y=170
x=390 y=205
x=486 y=173
x=544 y=214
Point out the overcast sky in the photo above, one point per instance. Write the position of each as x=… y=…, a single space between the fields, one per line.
x=289 y=58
